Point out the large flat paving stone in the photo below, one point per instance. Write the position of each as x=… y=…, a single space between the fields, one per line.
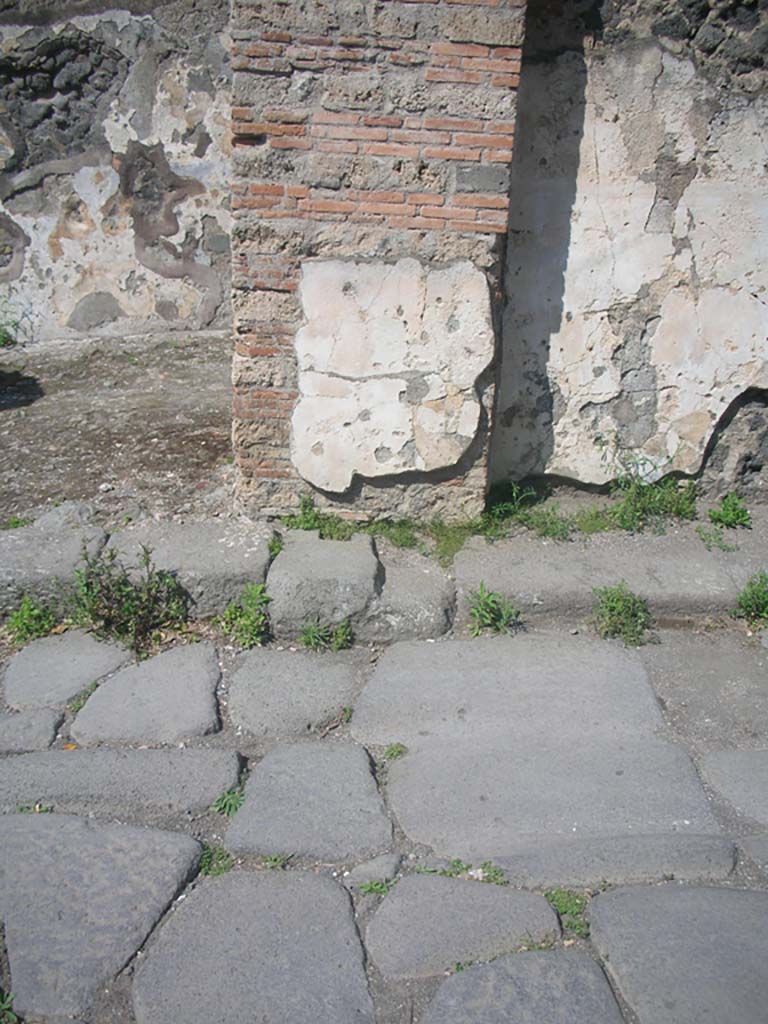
x=428 y=923
x=150 y=783
x=552 y=987
x=28 y=730
x=741 y=777
x=276 y=946
x=491 y=796
x=332 y=579
x=164 y=699
x=292 y=693
x=78 y=899
x=417 y=601
x=519 y=686
x=213 y=560
x=314 y=800
x=49 y=672
x=686 y=955
x=756 y=848
x=40 y=559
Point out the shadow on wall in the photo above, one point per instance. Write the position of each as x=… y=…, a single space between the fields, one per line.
x=549 y=128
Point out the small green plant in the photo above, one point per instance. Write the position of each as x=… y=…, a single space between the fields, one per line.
x=214 y=860
x=491 y=874
x=229 y=803
x=450 y=538
x=375 y=888
x=321 y=636
x=489 y=610
x=128 y=607
x=275 y=546
x=277 y=861
x=456 y=867
x=395 y=750
x=7 y=1016
x=330 y=527
x=571 y=907
x=247 y=622
x=713 y=539
x=78 y=701
x=752 y=603
x=36 y=808
x=620 y=613
x=731 y=513
x=401 y=533
x=462 y=965
x=644 y=504
x=30 y=621
x=14 y=522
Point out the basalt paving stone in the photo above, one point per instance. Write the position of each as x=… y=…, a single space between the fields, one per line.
x=51 y=671
x=213 y=560
x=416 y=601
x=28 y=730
x=330 y=579
x=164 y=699
x=552 y=987
x=741 y=777
x=119 y=782
x=686 y=955
x=293 y=693
x=314 y=800
x=428 y=923
x=78 y=899
x=380 y=869
x=519 y=686
x=273 y=946
x=756 y=848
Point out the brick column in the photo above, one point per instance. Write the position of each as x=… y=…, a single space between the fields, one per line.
x=373 y=131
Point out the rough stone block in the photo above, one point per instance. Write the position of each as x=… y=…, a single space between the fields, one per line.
x=416 y=602
x=741 y=777
x=497 y=26
x=28 y=730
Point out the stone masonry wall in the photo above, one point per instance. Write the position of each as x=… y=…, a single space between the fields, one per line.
x=371 y=151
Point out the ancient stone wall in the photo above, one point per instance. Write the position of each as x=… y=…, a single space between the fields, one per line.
x=114 y=167
x=372 y=144
x=636 y=317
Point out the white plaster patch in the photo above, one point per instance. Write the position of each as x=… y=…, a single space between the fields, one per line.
x=388 y=360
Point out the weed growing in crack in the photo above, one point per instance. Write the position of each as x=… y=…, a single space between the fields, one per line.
x=375 y=888
x=79 y=700
x=275 y=546
x=14 y=522
x=29 y=621
x=229 y=803
x=277 y=861
x=320 y=636
x=7 y=1016
x=731 y=513
x=330 y=527
x=395 y=750
x=752 y=603
x=620 y=613
x=214 y=860
x=713 y=540
x=246 y=621
x=37 y=808
x=571 y=908
x=489 y=610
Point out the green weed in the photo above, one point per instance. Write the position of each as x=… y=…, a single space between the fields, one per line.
x=229 y=803
x=401 y=533
x=492 y=611
x=275 y=547
x=731 y=513
x=36 y=808
x=277 y=861
x=127 y=606
x=29 y=621
x=330 y=527
x=492 y=874
x=713 y=539
x=320 y=636
x=14 y=522
x=752 y=603
x=571 y=907
x=247 y=622
x=214 y=860
x=456 y=867
x=643 y=504
x=395 y=750
x=450 y=538
x=620 y=613
x=78 y=701
x=375 y=888
x=7 y=1016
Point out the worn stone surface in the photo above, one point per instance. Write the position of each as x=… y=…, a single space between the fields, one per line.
x=428 y=923
x=40 y=559
x=50 y=671
x=417 y=601
x=388 y=361
x=164 y=699
x=331 y=580
x=380 y=869
x=313 y=800
x=104 y=886
x=684 y=955
x=28 y=730
x=740 y=777
x=213 y=560
x=274 y=946
x=528 y=988
x=131 y=782
x=291 y=693
x=756 y=848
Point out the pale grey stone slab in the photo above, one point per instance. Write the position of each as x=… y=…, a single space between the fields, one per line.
x=28 y=730
x=514 y=687
x=314 y=800
x=548 y=987
x=131 y=782
x=686 y=955
x=756 y=848
x=380 y=869
x=41 y=559
x=273 y=946
x=49 y=672
x=292 y=693
x=741 y=777
x=417 y=601
x=164 y=699
x=213 y=559
x=427 y=923
x=332 y=579
x=78 y=899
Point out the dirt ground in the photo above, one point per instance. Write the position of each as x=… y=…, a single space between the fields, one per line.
x=142 y=425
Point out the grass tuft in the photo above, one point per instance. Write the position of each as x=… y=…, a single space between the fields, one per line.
x=215 y=861
x=321 y=636
x=571 y=908
x=489 y=610
x=620 y=613
x=29 y=621
x=229 y=803
x=246 y=622
x=731 y=513
x=752 y=603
